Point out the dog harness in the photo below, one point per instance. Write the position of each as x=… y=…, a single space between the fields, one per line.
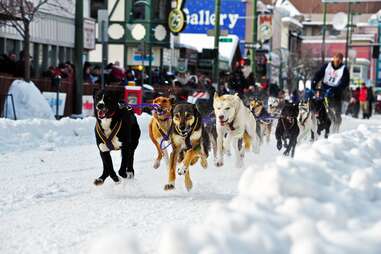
x=108 y=140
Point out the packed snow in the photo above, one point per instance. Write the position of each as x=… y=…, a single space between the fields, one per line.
x=325 y=200
x=28 y=102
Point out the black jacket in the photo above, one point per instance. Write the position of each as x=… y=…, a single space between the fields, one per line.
x=344 y=81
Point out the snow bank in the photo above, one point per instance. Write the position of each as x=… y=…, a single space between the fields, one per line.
x=28 y=101
x=325 y=200
x=44 y=134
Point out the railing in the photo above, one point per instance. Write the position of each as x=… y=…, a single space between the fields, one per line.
x=4 y=113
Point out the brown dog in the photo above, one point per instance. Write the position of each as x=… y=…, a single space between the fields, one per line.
x=189 y=141
x=159 y=127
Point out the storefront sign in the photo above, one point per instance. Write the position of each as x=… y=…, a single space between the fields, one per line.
x=176 y=18
x=201 y=17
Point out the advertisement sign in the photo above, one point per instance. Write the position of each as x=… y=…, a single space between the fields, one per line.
x=264 y=28
x=51 y=97
x=87 y=105
x=139 y=57
x=201 y=17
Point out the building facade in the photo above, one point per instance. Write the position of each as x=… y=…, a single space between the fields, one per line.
x=52 y=36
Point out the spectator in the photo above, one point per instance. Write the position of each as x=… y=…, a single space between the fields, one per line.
x=87 y=73
x=364 y=104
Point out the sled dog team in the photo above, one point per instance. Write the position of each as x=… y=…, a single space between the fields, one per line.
x=184 y=134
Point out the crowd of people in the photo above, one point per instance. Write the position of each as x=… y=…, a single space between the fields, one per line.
x=333 y=77
x=11 y=65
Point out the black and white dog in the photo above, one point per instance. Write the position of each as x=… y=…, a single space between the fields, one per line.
x=287 y=128
x=320 y=111
x=116 y=129
x=307 y=122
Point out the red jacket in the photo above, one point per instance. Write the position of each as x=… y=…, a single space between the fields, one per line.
x=363 y=97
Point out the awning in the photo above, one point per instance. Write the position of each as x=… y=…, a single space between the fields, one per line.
x=227 y=48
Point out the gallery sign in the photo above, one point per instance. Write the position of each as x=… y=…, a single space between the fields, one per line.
x=200 y=17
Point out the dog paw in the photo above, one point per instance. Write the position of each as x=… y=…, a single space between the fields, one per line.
x=279 y=144
x=182 y=170
x=219 y=163
x=103 y=148
x=204 y=163
x=169 y=187
x=98 y=181
x=156 y=164
x=130 y=175
x=286 y=153
x=188 y=184
x=122 y=173
x=116 y=180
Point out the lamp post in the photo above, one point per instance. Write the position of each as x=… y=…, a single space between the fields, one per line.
x=255 y=41
x=216 y=75
x=324 y=29
x=148 y=37
x=78 y=56
x=349 y=27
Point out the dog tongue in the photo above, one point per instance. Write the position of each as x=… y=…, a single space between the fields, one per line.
x=101 y=114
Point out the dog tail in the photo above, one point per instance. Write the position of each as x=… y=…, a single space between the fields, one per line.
x=246 y=140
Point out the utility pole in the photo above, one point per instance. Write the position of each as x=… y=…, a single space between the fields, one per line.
x=255 y=39
x=150 y=42
x=349 y=27
x=216 y=75
x=78 y=56
x=324 y=29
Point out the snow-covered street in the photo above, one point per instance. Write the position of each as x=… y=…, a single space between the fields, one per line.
x=325 y=200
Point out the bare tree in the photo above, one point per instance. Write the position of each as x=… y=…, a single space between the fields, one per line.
x=20 y=14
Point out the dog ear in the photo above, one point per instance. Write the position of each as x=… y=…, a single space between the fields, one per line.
x=215 y=95
x=236 y=95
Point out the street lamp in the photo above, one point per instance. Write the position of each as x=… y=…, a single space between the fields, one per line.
x=376 y=20
x=149 y=38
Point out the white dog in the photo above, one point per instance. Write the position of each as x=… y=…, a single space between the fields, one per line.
x=234 y=119
x=307 y=122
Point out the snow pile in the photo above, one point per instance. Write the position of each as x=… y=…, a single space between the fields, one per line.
x=45 y=134
x=325 y=200
x=28 y=101
x=114 y=243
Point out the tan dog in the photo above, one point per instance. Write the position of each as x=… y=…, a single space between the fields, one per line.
x=264 y=122
x=159 y=127
x=189 y=141
x=235 y=122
